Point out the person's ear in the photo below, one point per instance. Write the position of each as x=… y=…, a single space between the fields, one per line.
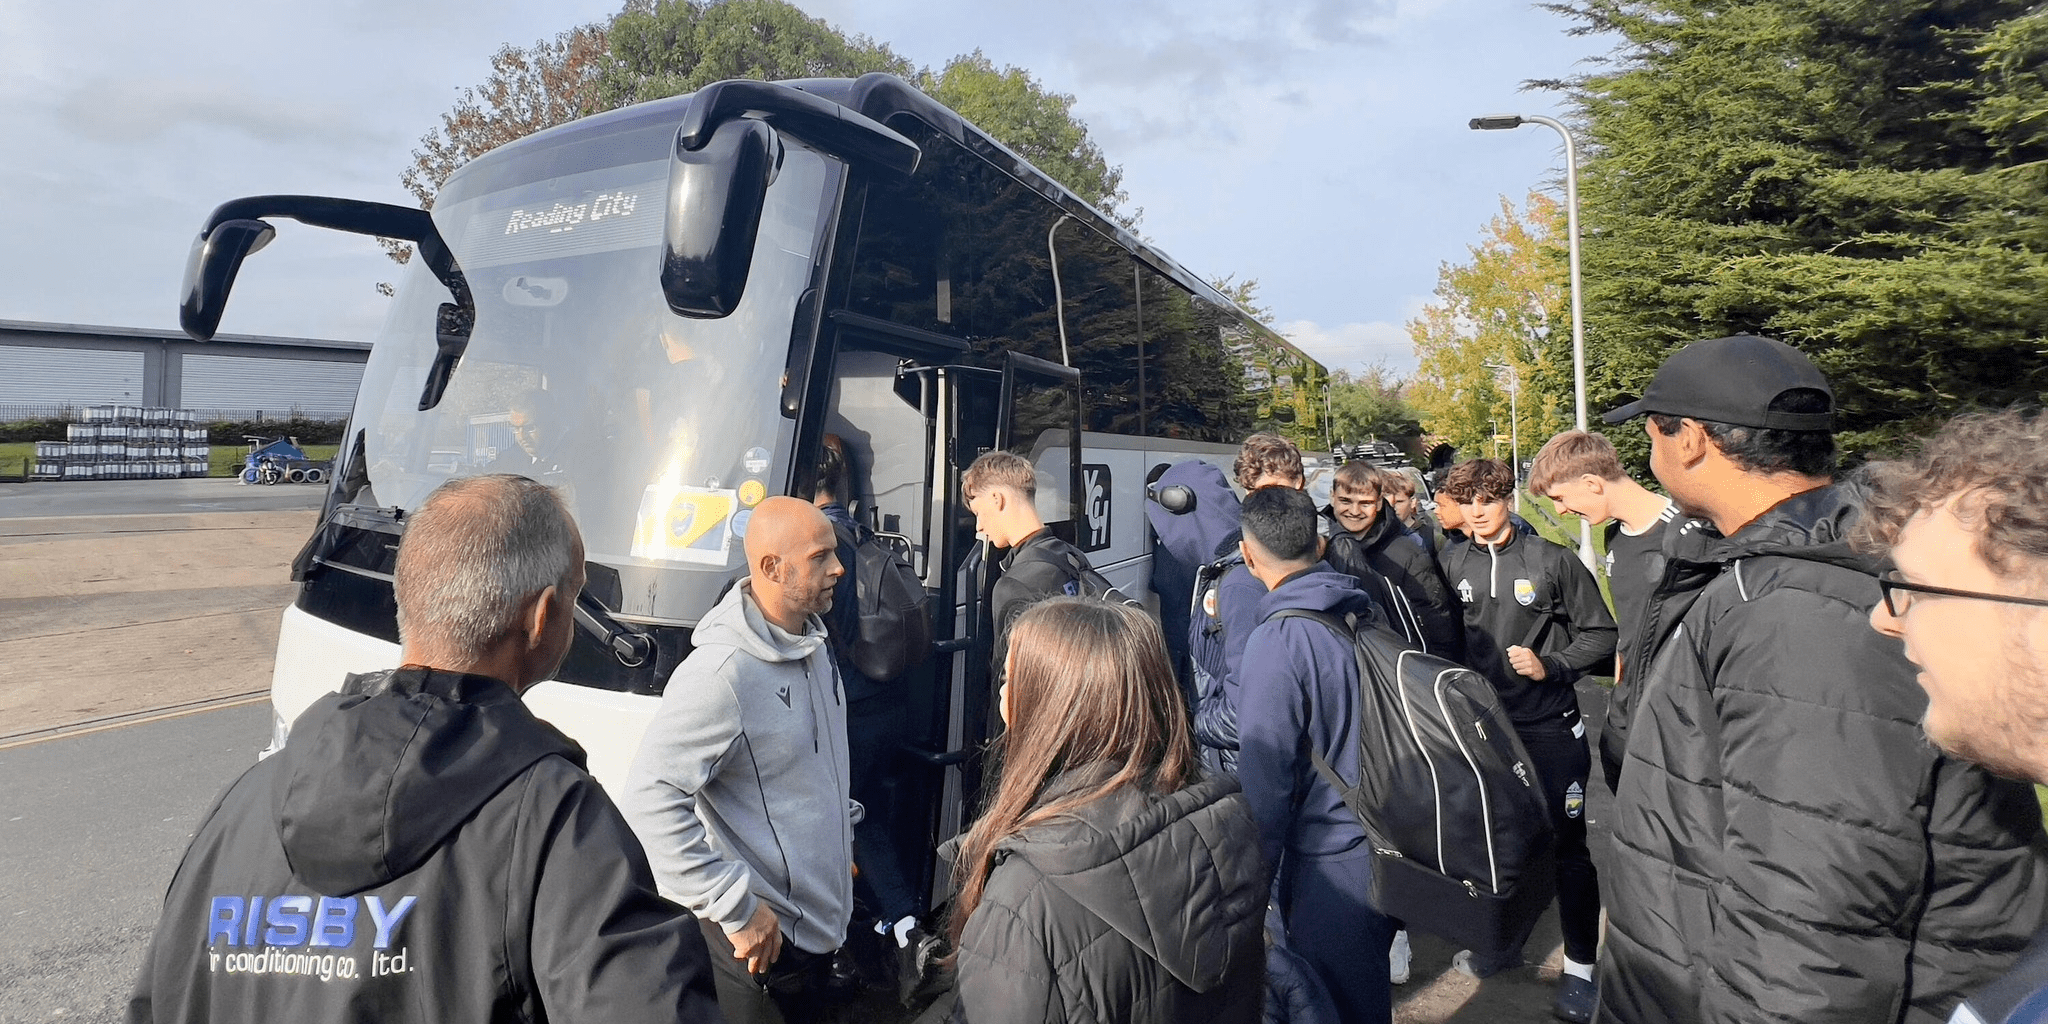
x=1322 y=546
x=1594 y=483
x=541 y=617
x=771 y=568
x=1244 y=550
x=1693 y=443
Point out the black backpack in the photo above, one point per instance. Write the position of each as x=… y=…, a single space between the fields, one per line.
x=1215 y=720
x=1461 y=839
x=1082 y=581
x=895 y=631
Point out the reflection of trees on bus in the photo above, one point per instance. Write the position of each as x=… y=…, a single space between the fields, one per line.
x=961 y=250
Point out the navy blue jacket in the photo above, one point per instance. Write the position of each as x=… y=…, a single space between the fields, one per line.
x=1299 y=679
x=842 y=623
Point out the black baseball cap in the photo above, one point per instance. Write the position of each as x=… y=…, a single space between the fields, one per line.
x=1733 y=380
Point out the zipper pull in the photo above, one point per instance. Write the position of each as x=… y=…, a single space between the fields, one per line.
x=1480 y=727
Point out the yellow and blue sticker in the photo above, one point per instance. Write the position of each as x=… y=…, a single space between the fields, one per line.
x=685 y=524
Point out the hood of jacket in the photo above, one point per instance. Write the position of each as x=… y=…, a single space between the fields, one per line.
x=737 y=622
x=1321 y=589
x=1197 y=882
x=375 y=780
x=1812 y=526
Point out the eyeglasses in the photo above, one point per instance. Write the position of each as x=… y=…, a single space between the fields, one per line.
x=1898 y=594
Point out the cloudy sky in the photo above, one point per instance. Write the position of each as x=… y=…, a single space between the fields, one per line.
x=1317 y=145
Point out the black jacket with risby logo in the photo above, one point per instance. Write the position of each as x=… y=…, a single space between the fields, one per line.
x=423 y=849
x=1528 y=592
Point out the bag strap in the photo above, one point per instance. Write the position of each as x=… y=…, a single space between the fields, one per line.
x=1346 y=627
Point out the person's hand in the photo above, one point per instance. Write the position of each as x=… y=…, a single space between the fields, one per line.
x=760 y=942
x=1525 y=661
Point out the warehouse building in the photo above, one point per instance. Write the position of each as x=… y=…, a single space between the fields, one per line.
x=46 y=368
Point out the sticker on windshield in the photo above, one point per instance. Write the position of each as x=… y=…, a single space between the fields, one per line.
x=752 y=492
x=684 y=524
x=755 y=461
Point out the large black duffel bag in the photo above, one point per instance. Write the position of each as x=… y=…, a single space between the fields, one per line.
x=1461 y=841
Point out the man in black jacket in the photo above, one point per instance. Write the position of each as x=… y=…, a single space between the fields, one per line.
x=1534 y=625
x=1787 y=845
x=424 y=848
x=1393 y=564
x=1962 y=519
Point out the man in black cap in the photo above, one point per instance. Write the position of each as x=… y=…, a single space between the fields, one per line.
x=1787 y=847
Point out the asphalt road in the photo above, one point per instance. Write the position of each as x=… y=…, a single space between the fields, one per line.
x=91 y=827
x=143 y=497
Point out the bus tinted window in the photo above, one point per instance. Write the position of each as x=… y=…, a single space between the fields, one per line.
x=958 y=249
x=1102 y=327
x=1194 y=385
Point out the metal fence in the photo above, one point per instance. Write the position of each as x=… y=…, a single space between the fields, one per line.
x=19 y=412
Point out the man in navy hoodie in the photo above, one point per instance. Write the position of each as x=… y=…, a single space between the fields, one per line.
x=1299 y=692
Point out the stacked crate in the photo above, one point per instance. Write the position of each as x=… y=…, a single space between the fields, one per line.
x=126 y=442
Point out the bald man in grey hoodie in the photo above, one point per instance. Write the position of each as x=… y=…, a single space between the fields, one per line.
x=739 y=792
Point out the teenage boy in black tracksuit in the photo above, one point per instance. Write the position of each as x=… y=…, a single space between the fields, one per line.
x=1535 y=623
x=1369 y=542
x=1002 y=491
x=1580 y=471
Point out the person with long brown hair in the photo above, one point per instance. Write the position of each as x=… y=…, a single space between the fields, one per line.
x=1107 y=879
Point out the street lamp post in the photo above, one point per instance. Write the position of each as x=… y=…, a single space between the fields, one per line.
x=1514 y=422
x=1497 y=122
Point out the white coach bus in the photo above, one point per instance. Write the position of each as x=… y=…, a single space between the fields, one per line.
x=663 y=309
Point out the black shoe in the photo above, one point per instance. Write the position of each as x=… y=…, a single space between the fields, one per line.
x=1576 y=998
x=842 y=974
x=920 y=968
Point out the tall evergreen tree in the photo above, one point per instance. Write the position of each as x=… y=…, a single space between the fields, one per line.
x=1865 y=179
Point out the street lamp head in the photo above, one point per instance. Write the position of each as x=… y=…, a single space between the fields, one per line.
x=1495 y=122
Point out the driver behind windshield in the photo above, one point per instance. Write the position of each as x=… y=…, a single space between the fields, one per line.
x=538 y=433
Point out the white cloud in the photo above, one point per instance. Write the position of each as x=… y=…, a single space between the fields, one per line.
x=1354 y=346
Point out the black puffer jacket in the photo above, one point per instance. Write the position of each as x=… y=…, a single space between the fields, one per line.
x=1135 y=908
x=1787 y=846
x=1391 y=564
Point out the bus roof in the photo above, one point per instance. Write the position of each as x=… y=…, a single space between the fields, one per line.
x=882 y=97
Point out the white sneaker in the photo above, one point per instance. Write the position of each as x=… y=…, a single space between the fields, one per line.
x=1397 y=958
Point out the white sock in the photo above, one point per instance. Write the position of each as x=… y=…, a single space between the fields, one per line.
x=902 y=929
x=1583 y=972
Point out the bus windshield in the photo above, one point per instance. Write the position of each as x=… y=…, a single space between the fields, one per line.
x=661 y=431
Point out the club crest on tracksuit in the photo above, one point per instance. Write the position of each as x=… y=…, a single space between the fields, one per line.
x=1574 y=800
x=1465 y=591
x=1525 y=592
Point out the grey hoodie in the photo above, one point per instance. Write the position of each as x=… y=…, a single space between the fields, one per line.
x=739 y=791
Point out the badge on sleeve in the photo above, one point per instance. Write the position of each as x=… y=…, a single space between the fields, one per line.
x=1525 y=592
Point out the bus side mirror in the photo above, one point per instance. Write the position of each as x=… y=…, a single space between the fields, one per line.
x=715 y=194
x=210 y=272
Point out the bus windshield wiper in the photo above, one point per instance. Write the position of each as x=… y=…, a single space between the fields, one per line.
x=631 y=646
